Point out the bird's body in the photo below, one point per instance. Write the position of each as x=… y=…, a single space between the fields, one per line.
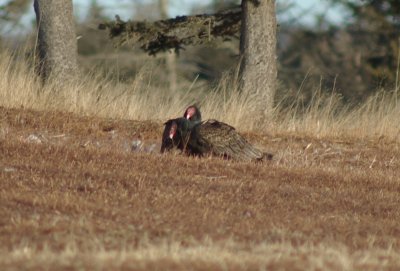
x=216 y=138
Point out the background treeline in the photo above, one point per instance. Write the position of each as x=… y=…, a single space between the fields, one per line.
x=355 y=57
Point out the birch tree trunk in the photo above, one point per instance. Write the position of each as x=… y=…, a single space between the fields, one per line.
x=258 y=53
x=56 y=43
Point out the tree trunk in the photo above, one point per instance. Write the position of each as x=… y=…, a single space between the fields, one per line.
x=258 y=53
x=170 y=57
x=57 y=44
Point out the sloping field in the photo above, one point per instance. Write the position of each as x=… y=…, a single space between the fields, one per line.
x=89 y=193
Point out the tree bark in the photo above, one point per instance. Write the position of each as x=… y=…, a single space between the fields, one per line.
x=258 y=54
x=56 y=44
x=170 y=56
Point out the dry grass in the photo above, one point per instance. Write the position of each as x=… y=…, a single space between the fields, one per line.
x=208 y=256
x=73 y=194
x=325 y=116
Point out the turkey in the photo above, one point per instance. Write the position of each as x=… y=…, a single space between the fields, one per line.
x=213 y=137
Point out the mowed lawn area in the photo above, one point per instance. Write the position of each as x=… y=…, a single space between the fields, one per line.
x=93 y=193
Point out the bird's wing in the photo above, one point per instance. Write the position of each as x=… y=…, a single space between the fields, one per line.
x=224 y=140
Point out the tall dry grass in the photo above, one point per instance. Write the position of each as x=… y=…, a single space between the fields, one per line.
x=324 y=116
x=327 y=116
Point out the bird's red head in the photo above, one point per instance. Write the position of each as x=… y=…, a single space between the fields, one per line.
x=190 y=112
x=172 y=130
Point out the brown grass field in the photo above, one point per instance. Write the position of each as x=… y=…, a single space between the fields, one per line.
x=74 y=195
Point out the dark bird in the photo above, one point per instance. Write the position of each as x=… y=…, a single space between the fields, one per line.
x=210 y=137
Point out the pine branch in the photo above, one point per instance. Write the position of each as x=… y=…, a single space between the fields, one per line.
x=159 y=36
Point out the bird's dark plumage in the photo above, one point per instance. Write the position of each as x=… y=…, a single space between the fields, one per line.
x=176 y=134
x=181 y=126
x=213 y=137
